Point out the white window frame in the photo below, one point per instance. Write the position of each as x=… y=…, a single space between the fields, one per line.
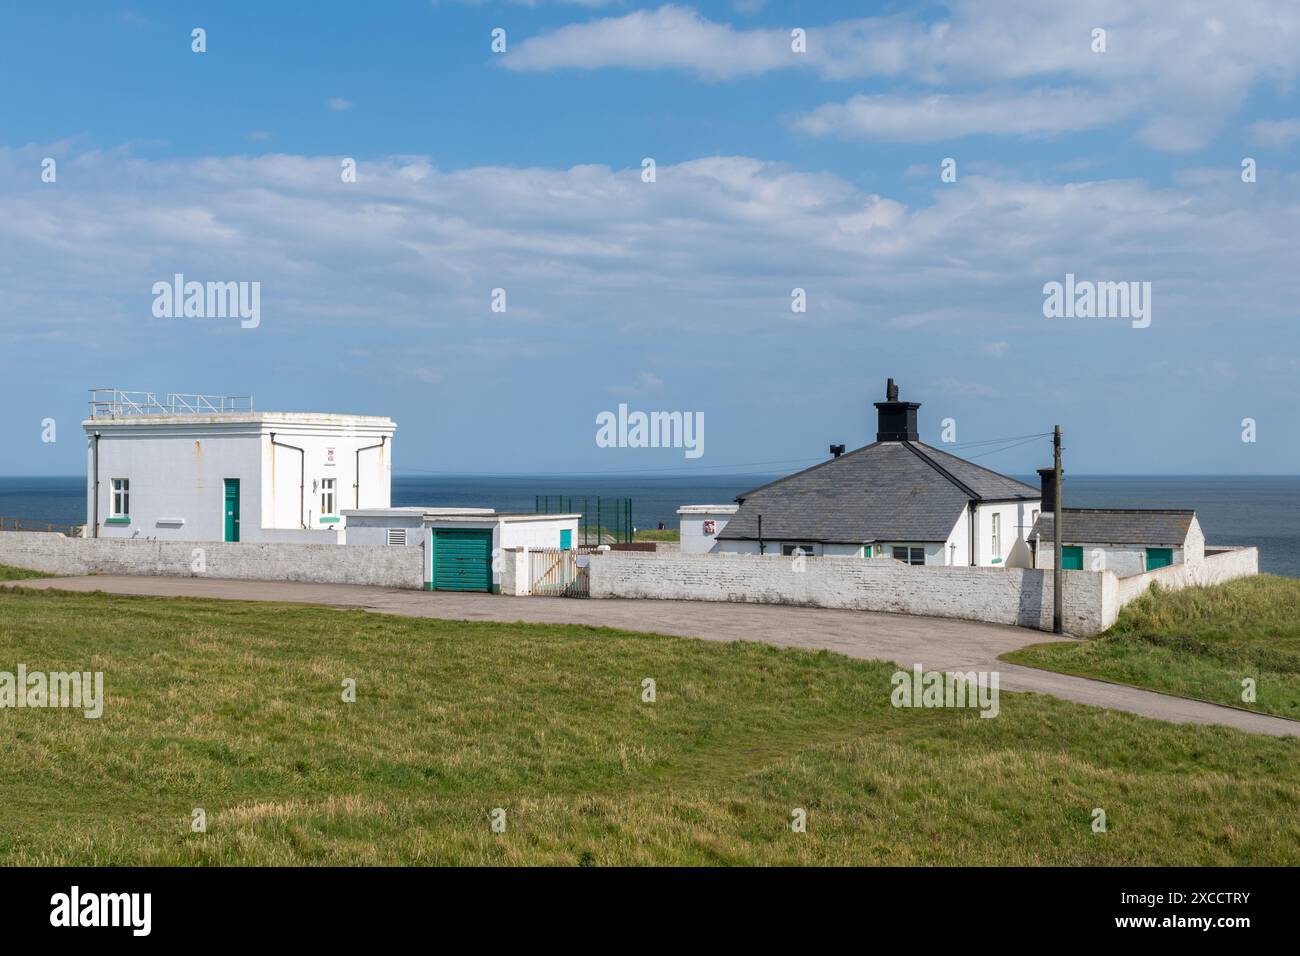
x=997 y=534
x=328 y=497
x=120 y=498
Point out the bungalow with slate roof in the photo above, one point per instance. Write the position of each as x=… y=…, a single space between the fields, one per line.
x=896 y=497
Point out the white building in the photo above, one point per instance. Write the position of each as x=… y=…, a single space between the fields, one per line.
x=463 y=547
x=1127 y=541
x=896 y=497
x=208 y=468
x=700 y=526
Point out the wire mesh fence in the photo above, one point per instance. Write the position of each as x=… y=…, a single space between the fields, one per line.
x=604 y=520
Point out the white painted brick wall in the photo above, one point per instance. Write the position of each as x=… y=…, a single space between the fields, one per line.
x=1021 y=596
x=1215 y=568
x=246 y=561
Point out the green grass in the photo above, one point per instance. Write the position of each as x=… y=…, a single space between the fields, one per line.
x=235 y=707
x=8 y=573
x=654 y=534
x=1198 y=642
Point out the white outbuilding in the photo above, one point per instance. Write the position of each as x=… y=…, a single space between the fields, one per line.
x=209 y=468
x=700 y=526
x=464 y=548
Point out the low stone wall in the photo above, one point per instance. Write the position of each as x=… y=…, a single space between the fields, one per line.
x=1218 y=565
x=1020 y=596
x=246 y=560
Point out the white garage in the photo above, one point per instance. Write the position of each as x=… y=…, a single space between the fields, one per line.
x=462 y=546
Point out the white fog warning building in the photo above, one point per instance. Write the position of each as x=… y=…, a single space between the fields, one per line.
x=209 y=468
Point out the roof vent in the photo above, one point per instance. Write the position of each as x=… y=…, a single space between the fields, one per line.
x=897 y=420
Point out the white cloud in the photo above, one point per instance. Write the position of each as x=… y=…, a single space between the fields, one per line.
x=931 y=117
x=996 y=350
x=671 y=37
x=715 y=245
x=1183 y=70
x=338 y=104
x=1276 y=134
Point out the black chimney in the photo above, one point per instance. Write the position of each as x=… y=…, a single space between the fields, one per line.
x=1047 y=481
x=837 y=450
x=897 y=420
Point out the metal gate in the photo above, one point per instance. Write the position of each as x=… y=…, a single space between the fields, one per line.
x=556 y=573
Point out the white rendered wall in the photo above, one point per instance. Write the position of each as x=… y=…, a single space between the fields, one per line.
x=693 y=538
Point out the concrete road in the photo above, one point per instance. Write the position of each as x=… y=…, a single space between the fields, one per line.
x=940 y=644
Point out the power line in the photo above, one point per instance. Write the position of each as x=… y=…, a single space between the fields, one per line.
x=651 y=473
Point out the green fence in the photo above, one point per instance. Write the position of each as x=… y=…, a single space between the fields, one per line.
x=604 y=520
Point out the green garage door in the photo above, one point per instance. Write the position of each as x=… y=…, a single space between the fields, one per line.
x=462 y=560
x=1071 y=558
x=1159 y=558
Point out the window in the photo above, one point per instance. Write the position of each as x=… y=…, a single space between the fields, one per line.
x=397 y=536
x=997 y=535
x=327 y=496
x=121 y=497
x=911 y=555
x=788 y=549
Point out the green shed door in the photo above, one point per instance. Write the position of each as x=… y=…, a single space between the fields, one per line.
x=1159 y=558
x=1072 y=558
x=232 y=509
x=566 y=539
x=462 y=560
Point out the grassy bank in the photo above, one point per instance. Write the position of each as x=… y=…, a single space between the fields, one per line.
x=236 y=708
x=8 y=573
x=1198 y=642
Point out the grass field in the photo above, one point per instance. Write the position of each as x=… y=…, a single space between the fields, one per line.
x=654 y=534
x=1198 y=642
x=236 y=708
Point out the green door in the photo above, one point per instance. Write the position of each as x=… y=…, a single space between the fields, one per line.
x=1072 y=558
x=232 y=509
x=1159 y=558
x=462 y=560
x=566 y=539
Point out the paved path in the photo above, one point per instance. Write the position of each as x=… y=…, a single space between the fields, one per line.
x=940 y=644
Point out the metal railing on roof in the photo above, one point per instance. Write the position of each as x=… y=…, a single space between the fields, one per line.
x=115 y=401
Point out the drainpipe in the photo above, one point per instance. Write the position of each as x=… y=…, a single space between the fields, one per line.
x=971 y=527
x=95 y=457
x=302 y=476
x=356 y=487
x=760 y=534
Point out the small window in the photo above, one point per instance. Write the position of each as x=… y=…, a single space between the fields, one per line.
x=397 y=536
x=909 y=554
x=327 y=496
x=805 y=549
x=121 y=497
x=997 y=536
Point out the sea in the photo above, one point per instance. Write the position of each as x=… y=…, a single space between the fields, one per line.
x=1263 y=511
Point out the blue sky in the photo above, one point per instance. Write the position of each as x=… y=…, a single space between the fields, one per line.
x=775 y=170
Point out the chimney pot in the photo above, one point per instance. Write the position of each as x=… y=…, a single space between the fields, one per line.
x=896 y=420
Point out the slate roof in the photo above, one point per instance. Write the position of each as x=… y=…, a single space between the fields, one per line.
x=886 y=491
x=1141 y=526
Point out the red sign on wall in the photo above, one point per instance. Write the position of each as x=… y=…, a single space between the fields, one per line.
x=710 y=527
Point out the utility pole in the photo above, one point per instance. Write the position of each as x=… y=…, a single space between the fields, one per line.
x=1058 y=626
